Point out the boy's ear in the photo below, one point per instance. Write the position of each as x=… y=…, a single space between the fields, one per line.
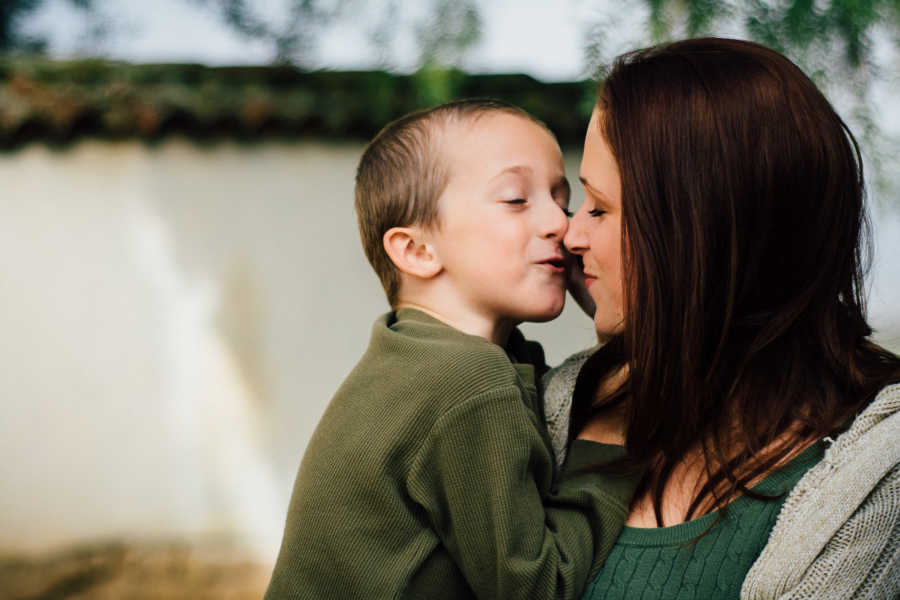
x=411 y=252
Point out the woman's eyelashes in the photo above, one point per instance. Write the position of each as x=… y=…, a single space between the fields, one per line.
x=596 y=212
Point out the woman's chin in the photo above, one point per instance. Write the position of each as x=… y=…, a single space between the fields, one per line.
x=607 y=326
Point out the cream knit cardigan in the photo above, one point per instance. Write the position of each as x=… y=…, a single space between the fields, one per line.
x=838 y=533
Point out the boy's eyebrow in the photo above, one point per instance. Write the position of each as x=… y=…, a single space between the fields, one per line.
x=513 y=169
x=523 y=169
x=562 y=186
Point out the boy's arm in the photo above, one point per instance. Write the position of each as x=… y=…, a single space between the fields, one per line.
x=484 y=476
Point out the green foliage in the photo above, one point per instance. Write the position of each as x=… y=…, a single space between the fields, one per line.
x=293 y=36
x=696 y=16
x=435 y=84
x=795 y=27
x=11 y=14
x=445 y=31
x=452 y=27
x=831 y=40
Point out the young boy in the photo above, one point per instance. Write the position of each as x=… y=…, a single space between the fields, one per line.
x=431 y=474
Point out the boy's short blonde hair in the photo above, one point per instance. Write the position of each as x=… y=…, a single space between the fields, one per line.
x=401 y=177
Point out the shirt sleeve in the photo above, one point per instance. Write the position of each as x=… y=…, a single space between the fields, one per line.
x=485 y=477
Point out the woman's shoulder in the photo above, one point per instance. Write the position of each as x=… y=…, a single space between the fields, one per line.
x=557 y=385
x=882 y=413
x=845 y=506
x=869 y=445
x=562 y=377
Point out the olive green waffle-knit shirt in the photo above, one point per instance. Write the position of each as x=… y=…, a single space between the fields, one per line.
x=431 y=475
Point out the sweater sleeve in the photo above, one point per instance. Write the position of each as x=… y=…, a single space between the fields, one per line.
x=484 y=478
x=861 y=561
x=838 y=532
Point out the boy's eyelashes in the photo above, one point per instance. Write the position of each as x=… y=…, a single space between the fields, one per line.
x=517 y=201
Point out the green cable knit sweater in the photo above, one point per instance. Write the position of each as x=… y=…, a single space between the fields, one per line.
x=703 y=559
x=431 y=475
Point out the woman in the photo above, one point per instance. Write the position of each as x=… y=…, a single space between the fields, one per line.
x=721 y=243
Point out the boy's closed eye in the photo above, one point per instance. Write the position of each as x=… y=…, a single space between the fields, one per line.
x=562 y=192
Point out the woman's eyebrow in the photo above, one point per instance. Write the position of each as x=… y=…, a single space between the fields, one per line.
x=588 y=185
x=594 y=191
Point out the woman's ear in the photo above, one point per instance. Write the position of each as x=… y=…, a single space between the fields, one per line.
x=411 y=252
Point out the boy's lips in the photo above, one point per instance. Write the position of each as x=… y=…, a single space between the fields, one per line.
x=555 y=264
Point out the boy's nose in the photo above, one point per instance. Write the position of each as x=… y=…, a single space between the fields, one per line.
x=555 y=223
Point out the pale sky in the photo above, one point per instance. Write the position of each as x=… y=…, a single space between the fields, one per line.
x=542 y=38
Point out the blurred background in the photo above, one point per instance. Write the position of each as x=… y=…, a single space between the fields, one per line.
x=182 y=282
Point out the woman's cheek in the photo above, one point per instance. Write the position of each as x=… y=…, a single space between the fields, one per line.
x=609 y=316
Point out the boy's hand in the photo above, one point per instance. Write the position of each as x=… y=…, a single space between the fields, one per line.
x=575 y=283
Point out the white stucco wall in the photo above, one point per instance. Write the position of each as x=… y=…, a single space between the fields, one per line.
x=175 y=318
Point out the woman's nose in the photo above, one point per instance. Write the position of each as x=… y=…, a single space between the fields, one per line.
x=575 y=239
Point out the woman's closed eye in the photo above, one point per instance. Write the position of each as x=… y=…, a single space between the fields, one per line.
x=597 y=212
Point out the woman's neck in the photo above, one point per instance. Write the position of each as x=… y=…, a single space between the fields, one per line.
x=609 y=426
x=691 y=474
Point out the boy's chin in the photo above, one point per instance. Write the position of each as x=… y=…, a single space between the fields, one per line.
x=546 y=314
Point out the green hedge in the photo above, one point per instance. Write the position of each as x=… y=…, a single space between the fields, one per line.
x=56 y=101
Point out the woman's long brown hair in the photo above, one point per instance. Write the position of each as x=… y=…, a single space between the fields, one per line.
x=744 y=245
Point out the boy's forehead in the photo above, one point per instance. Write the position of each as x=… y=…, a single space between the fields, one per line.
x=450 y=140
x=485 y=139
x=492 y=122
